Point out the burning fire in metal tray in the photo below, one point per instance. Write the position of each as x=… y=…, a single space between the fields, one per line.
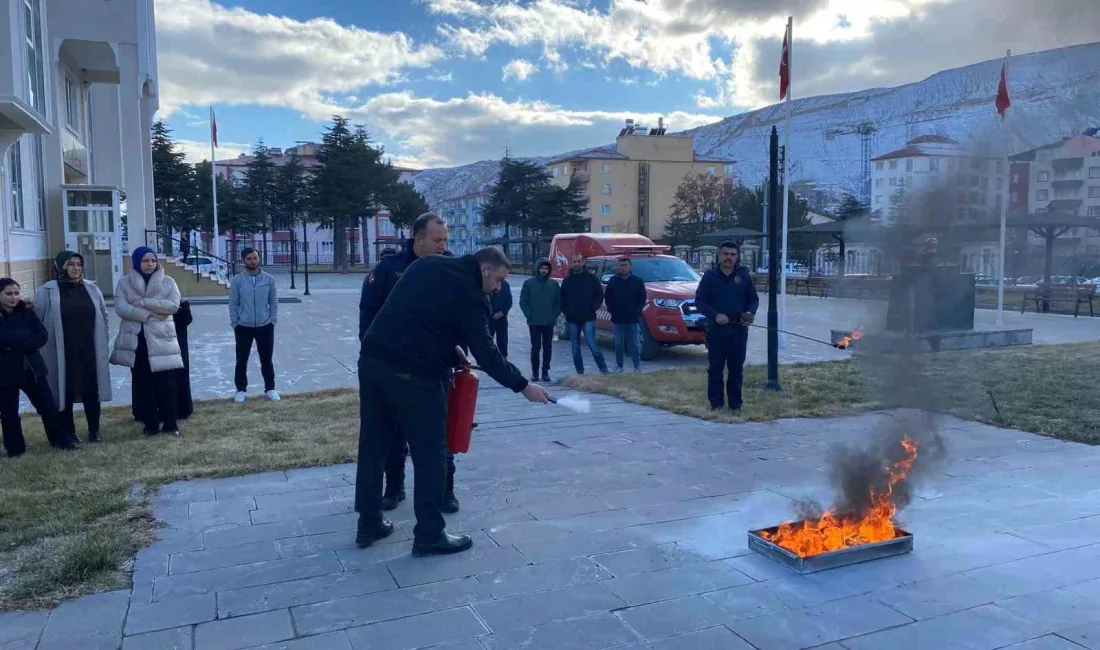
x=843 y=343
x=835 y=531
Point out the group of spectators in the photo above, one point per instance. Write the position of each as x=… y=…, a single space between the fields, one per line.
x=55 y=347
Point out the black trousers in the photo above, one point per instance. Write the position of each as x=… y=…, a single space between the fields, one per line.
x=41 y=398
x=398 y=453
x=389 y=399
x=726 y=348
x=90 y=400
x=265 y=347
x=498 y=327
x=542 y=337
x=157 y=390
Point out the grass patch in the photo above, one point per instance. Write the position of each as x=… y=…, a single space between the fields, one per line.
x=1053 y=390
x=69 y=523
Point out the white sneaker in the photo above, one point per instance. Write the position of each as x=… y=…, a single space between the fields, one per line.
x=273 y=396
x=240 y=398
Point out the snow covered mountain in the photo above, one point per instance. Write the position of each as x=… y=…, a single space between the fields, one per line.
x=1054 y=93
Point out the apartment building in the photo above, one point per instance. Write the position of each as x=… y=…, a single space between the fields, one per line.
x=937 y=162
x=78 y=91
x=631 y=185
x=467 y=232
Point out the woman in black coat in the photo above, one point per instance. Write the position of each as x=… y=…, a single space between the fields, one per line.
x=22 y=369
x=184 y=405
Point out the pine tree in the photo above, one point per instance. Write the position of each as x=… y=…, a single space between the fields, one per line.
x=514 y=200
x=559 y=210
x=291 y=202
x=259 y=191
x=174 y=188
x=405 y=205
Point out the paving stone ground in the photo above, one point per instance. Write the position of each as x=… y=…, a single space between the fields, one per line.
x=621 y=528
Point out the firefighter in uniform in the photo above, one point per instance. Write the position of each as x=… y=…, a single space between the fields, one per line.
x=727 y=297
x=404 y=368
x=429 y=236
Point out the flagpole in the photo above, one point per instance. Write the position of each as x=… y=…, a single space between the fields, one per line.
x=1004 y=211
x=786 y=186
x=214 y=181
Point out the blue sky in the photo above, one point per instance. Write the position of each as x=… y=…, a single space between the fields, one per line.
x=444 y=82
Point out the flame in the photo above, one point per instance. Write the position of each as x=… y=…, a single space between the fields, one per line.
x=833 y=531
x=847 y=340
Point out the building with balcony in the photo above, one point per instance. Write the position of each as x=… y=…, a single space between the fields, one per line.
x=937 y=162
x=78 y=91
x=631 y=185
x=466 y=231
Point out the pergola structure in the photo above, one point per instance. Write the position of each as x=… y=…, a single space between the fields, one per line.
x=737 y=234
x=849 y=231
x=1049 y=226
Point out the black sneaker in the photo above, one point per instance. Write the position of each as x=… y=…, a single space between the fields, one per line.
x=445 y=545
x=546 y=378
x=450 y=504
x=93 y=437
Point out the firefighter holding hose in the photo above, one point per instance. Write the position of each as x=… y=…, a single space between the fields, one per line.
x=404 y=366
x=727 y=297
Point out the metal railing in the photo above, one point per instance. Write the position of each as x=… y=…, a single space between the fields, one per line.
x=195 y=258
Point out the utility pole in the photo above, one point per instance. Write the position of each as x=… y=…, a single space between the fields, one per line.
x=773 y=263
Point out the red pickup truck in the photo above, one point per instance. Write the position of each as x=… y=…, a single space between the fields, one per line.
x=670 y=317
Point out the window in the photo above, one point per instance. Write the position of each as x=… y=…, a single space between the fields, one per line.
x=933 y=164
x=605 y=210
x=557 y=170
x=36 y=68
x=1042 y=195
x=1094 y=192
x=72 y=104
x=909 y=165
x=1042 y=177
x=605 y=228
x=385 y=228
x=15 y=172
x=893 y=181
x=1094 y=210
x=983 y=182
x=908 y=180
x=605 y=168
x=605 y=189
x=1094 y=172
x=975 y=164
x=878 y=165
x=893 y=164
x=878 y=199
x=710 y=170
x=38 y=169
x=878 y=182
x=1000 y=182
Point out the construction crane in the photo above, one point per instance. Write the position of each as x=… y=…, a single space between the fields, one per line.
x=866 y=132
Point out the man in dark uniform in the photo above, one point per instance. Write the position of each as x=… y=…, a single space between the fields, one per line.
x=404 y=367
x=727 y=297
x=429 y=237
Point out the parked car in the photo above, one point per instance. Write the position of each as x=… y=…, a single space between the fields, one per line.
x=669 y=317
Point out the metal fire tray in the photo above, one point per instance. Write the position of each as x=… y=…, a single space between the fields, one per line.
x=900 y=545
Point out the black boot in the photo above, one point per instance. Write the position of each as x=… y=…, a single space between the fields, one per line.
x=450 y=503
x=445 y=545
x=93 y=436
x=395 y=490
x=367 y=533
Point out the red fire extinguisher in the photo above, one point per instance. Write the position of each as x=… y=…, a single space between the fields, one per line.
x=461 y=405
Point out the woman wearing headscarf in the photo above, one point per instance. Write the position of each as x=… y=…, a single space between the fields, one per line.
x=75 y=315
x=21 y=369
x=145 y=300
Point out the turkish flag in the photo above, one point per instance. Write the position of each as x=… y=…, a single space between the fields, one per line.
x=785 y=66
x=1003 y=101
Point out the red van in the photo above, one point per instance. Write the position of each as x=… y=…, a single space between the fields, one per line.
x=670 y=317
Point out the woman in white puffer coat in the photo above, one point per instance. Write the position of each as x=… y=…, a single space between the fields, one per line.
x=145 y=300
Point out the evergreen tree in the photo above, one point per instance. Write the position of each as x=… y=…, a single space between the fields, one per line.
x=516 y=198
x=173 y=186
x=260 y=189
x=348 y=183
x=405 y=205
x=291 y=204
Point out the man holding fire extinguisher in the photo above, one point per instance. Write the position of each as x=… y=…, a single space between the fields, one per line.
x=404 y=367
x=429 y=237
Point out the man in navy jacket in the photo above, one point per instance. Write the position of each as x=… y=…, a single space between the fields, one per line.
x=500 y=303
x=727 y=297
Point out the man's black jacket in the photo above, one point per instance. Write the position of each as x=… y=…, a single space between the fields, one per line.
x=581 y=296
x=502 y=300
x=625 y=298
x=438 y=304
x=731 y=295
x=379 y=284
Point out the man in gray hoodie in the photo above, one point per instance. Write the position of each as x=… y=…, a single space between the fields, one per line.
x=253 y=312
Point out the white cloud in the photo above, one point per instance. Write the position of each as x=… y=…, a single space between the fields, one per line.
x=209 y=53
x=432 y=132
x=518 y=69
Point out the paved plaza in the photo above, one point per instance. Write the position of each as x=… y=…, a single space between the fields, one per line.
x=317 y=340
x=621 y=528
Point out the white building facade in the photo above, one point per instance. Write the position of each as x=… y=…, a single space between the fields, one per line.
x=78 y=92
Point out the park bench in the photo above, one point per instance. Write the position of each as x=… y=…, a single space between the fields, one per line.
x=1078 y=294
x=813 y=285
